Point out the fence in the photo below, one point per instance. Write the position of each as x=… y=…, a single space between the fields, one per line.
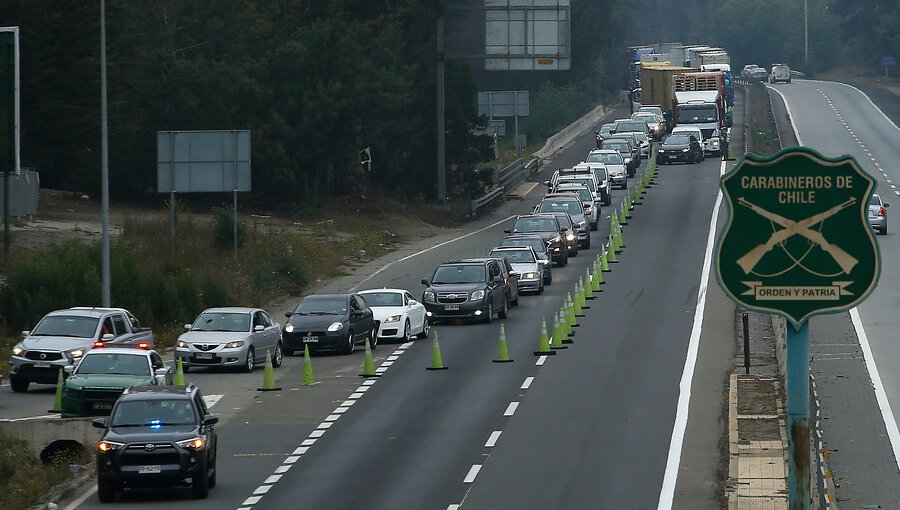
x=507 y=180
x=23 y=193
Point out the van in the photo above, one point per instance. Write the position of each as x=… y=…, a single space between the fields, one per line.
x=780 y=72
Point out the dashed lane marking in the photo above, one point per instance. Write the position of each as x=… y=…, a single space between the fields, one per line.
x=511 y=409
x=492 y=440
x=527 y=383
x=473 y=472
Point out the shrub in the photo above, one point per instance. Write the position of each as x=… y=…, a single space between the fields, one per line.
x=223 y=228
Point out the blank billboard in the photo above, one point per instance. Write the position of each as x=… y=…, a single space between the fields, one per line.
x=203 y=161
x=527 y=35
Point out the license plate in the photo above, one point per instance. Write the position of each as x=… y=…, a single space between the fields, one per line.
x=204 y=355
x=310 y=339
x=149 y=470
x=105 y=406
x=42 y=364
x=451 y=307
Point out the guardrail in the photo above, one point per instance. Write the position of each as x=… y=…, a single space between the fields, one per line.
x=508 y=179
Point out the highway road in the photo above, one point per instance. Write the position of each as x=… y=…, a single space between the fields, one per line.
x=837 y=119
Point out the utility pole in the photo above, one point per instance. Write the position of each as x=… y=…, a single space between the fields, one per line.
x=806 y=35
x=104 y=159
x=441 y=155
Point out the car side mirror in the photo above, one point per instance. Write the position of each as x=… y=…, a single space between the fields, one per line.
x=587 y=206
x=425 y=282
x=497 y=279
x=187 y=327
x=210 y=419
x=413 y=302
x=99 y=423
x=68 y=369
x=548 y=184
x=107 y=337
x=25 y=333
x=161 y=371
x=514 y=274
x=288 y=314
x=886 y=204
x=258 y=327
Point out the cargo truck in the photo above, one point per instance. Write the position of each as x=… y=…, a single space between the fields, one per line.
x=704 y=109
x=715 y=61
x=657 y=85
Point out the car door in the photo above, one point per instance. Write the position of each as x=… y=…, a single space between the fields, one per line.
x=273 y=331
x=121 y=332
x=498 y=293
x=257 y=338
x=156 y=363
x=416 y=312
x=512 y=281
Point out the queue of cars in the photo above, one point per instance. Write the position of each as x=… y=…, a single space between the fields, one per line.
x=778 y=73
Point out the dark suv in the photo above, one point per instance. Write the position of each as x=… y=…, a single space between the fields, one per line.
x=473 y=288
x=548 y=227
x=157 y=436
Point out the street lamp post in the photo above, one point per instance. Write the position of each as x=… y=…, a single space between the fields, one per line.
x=806 y=35
x=104 y=160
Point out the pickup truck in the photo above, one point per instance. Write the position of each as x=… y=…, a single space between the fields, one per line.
x=62 y=337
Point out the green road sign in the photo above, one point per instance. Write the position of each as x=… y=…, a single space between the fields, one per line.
x=797 y=241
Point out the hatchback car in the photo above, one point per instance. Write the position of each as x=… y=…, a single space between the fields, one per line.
x=588 y=200
x=624 y=147
x=679 y=147
x=398 y=315
x=616 y=168
x=878 y=214
x=525 y=262
x=333 y=322
x=230 y=337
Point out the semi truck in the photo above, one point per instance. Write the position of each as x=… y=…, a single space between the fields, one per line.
x=714 y=80
x=704 y=109
x=715 y=61
x=657 y=86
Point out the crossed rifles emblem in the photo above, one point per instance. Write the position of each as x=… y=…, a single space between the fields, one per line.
x=792 y=228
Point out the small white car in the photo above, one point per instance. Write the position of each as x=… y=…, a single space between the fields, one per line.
x=398 y=316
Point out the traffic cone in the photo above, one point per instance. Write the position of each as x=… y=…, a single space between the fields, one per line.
x=637 y=194
x=502 y=348
x=613 y=223
x=589 y=286
x=544 y=342
x=268 y=375
x=570 y=311
x=597 y=281
x=621 y=239
x=622 y=219
x=179 y=374
x=569 y=331
x=617 y=242
x=57 y=401
x=604 y=263
x=557 y=343
x=629 y=206
x=368 y=363
x=578 y=301
x=436 y=362
x=611 y=252
x=308 y=379
x=559 y=329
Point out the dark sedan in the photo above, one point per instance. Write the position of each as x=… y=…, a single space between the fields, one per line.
x=679 y=147
x=330 y=322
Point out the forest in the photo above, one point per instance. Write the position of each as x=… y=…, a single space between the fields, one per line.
x=317 y=80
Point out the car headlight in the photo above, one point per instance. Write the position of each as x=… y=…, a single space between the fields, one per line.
x=76 y=353
x=685 y=150
x=429 y=296
x=106 y=446
x=392 y=318
x=289 y=328
x=195 y=443
x=478 y=294
x=234 y=345
x=661 y=150
x=18 y=350
x=336 y=326
x=182 y=344
x=529 y=276
x=570 y=236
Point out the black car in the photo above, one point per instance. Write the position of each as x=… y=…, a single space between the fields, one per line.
x=330 y=322
x=540 y=248
x=546 y=226
x=679 y=147
x=157 y=436
x=466 y=289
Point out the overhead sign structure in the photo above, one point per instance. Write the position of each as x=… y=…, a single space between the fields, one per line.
x=527 y=35
x=797 y=241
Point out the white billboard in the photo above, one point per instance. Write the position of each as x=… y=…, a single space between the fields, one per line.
x=527 y=35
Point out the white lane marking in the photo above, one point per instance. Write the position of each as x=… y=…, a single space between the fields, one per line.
x=252 y=500
x=890 y=423
x=325 y=425
x=492 y=440
x=272 y=479
x=381 y=370
x=282 y=469
x=356 y=395
x=29 y=418
x=340 y=410
x=369 y=382
x=389 y=363
x=300 y=450
x=527 y=383
x=348 y=403
x=317 y=433
x=453 y=507
x=262 y=489
x=394 y=357
x=211 y=400
x=473 y=472
x=332 y=417
x=667 y=493
x=362 y=389
x=426 y=250
x=308 y=442
x=291 y=459
x=511 y=409
x=407 y=345
x=870 y=102
x=540 y=361
x=80 y=499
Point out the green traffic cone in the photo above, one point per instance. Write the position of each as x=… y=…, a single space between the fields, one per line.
x=57 y=401
x=629 y=206
x=570 y=311
x=622 y=219
x=637 y=194
x=368 y=363
x=543 y=341
x=589 y=287
x=563 y=321
x=577 y=303
x=604 y=262
x=568 y=320
x=308 y=379
x=621 y=239
x=611 y=252
x=613 y=223
x=436 y=362
x=559 y=329
x=557 y=342
x=268 y=375
x=502 y=348
x=179 y=374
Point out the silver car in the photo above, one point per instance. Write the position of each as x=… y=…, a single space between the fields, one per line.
x=878 y=214
x=525 y=262
x=239 y=337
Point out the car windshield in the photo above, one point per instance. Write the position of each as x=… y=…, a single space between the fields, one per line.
x=114 y=364
x=538 y=245
x=376 y=299
x=606 y=129
x=67 y=325
x=625 y=127
x=584 y=182
x=600 y=173
x=565 y=220
x=568 y=206
x=154 y=413
x=322 y=306
x=583 y=193
x=617 y=145
x=460 y=273
x=222 y=321
x=875 y=200
x=515 y=256
x=645 y=117
x=607 y=158
x=678 y=140
x=690 y=114
x=535 y=225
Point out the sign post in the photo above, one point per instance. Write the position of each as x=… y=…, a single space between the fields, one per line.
x=888 y=61
x=797 y=243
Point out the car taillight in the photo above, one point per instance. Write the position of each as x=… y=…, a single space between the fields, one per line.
x=98 y=343
x=881 y=212
x=143 y=345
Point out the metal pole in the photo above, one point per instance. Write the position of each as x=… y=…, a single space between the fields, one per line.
x=235 y=177
x=798 y=416
x=104 y=159
x=9 y=159
x=441 y=156
x=806 y=34
x=172 y=179
x=745 y=317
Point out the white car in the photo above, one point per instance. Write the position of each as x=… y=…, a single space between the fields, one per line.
x=525 y=262
x=398 y=316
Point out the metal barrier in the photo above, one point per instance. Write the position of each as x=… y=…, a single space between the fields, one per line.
x=23 y=193
x=507 y=180
x=822 y=478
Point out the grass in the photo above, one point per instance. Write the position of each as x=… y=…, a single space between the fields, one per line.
x=24 y=479
x=760 y=123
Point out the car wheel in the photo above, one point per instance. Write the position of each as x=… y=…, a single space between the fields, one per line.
x=548 y=279
x=19 y=385
x=200 y=486
x=595 y=225
x=587 y=244
x=185 y=368
x=504 y=312
x=426 y=327
x=250 y=363
x=607 y=200
x=278 y=356
x=373 y=338
x=515 y=302
x=489 y=316
x=106 y=489
x=407 y=332
x=541 y=288
x=351 y=345
x=884 y=230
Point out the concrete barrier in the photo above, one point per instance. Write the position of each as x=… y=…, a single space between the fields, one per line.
x=570 y=132
x=47 y=435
